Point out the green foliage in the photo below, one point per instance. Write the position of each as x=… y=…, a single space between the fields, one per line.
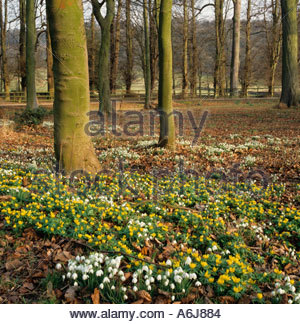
x=30 y=117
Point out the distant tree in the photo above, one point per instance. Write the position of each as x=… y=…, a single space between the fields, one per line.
x=167 y=127
x=235 y=55
x=185 y=50
x=115 y=48
x=73 y=148
x=290 y=81
x=30 y=55
x=129 y=48
x=4 y=68
x=146 y=8
x=22 y=44
x=104 y=53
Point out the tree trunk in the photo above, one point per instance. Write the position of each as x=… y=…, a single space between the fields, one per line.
x=274 y=44
x=92 y=55
x=146 y=8
x=185 y=51
x=116 y=49
x=22 y=44
x=50 y=77
x=30 y=55
x=3 y=26
x=247 y=65
x=235 y=58
x=167 y=127
x=129 y=53
x=220 y=67
x=194 y=54
x=154 y=22
x=104 y=53
x=73 y=148
x=290 y=82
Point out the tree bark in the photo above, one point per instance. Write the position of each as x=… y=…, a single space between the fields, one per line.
x=73 y=148
x=154 y=23
x=30 y=55
x=146 y=8
x=104 y=53
x=194 y=54
x=22 y=44
x=185 y=51
x=92 y=55
x=4 y=69
x=220 y=67
x=290 y=81
x=167 y=127
x=235 y=55
x=50 y=77
x=247 y=65
x=129 y=53
x=116 y=49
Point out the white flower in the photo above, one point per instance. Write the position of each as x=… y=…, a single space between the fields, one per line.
x=58 y=266
x=113 y=287
x=75 y=284
x=134 y=280
x=172 y=286
x=169 y=263
x=121 y=273
x=101 y=286
x=177 y=279
x=193 y=276
x=290 y=301
x=166 y=282
x=69 y=275
x=99 y=273
x=183 y=290
x=85 y=277
x=106 y=280
x=124 y=289
x=125 y=297
x=292 y=289
x=63 y=277
x=152 y=279
x=173 y=298
x=188 y=261
x=135 y=288
x=77 y=258
x=74 y=276
x=158 y=277
x=147 y=282
x=198 y=284
x=149 y=288
x=281 y=291
x=145 y=268
x=123 y=278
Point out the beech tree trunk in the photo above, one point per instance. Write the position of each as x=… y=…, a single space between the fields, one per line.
x=30 y=55
x=290 y=81
x=104 y=53
x=235 y=58
x=116 y=49
x=4 y=68
x=129 y=54
x=73 y=148
x=50 y=77
x=185 y=51
x=146 y=8
x=22 y=45
x=167 y=127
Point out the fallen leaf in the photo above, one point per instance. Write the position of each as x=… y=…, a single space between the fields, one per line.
x=143 y=294
x=96 y=296
x=70 y=294
x=13 y=264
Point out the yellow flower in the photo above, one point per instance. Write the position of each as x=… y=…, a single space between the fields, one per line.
x=237 y=289
x=259 y=295
x=192 y=265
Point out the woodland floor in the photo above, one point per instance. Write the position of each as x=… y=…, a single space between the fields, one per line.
x=256 y=260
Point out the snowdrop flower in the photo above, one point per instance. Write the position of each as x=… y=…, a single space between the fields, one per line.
x=106 y=280
x=85 y=277
x=273 y=293
x=77 y=258
x=158 y=277
x=113 y=287
x=147 y=282
x=58 y=266
x=209 y=250
x=214 y=248
x=149 y=288
x=123 y=278
x=101 y=286
x=121 y=273
x=281 y=291
x=173 y=298
x=151 y=279
x=172 y=286
x=135 y=288
x=125 y=297
x=134 y=280
x=124 y=289
x=188 y=261
x=74 y=276
x=99 y=273
x=183 y=290
x=145 y=268
x=169 y=263
x=166 y=282
x=69 y=275
x=198 y=284
x=75 y=284
x=193 y=276
x=177 y=279
x=290 y=301
x=293 y=289
x=63 y=277
x=109 y=269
